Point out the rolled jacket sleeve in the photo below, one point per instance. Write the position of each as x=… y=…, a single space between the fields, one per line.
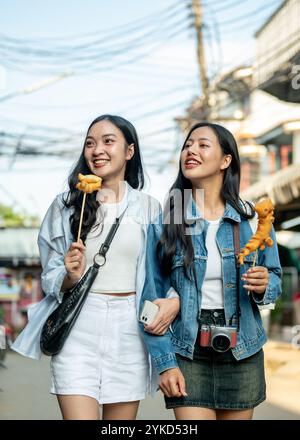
x=52 y=247
x=171 y=293
x=270 y=260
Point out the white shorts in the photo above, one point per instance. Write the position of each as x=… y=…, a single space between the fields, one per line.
x=104 y=356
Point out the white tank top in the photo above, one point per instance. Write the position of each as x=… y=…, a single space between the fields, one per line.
x=212 y=288
x=118 y=275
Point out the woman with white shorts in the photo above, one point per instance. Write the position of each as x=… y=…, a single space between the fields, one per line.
x=104 y=361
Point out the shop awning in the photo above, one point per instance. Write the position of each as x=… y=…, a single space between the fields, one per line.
x=282 y=187
x=19 y=245
x=288 y=239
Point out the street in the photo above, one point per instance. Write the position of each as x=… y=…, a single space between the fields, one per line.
x=188 y=114
x=24 y=395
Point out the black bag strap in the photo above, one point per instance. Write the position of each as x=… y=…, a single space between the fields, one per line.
x=109 y=238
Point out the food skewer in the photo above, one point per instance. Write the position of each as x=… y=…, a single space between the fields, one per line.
x=81 y=217
x=261 y=238
x=88 y=184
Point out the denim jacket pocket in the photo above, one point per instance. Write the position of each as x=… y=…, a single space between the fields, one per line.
x=249 y=258
x=248 y=261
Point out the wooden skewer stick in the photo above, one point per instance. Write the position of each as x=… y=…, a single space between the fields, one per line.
x=81 y=217
x=255 y=256
x=254 y=261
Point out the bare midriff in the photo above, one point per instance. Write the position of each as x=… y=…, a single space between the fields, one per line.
x=116 y=294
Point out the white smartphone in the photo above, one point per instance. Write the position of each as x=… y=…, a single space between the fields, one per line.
x=148 y=312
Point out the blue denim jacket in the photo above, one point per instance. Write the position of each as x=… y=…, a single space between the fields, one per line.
x=181 y=336
x=54 y=240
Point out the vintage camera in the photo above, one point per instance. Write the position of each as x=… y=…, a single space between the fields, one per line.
x=219 y=338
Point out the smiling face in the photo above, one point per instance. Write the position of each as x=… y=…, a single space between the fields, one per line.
x=106 y=151
x=202 y=156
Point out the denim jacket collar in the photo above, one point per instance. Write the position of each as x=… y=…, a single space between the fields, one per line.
x=193 y=212
x=231 y=213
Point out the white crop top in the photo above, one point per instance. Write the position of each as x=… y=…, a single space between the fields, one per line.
x=212 y=287
x=118 y=275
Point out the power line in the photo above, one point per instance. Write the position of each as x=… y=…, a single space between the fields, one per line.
x=249 y=14
x=207 y=3
x=32 y=143
x=227 y=6
x=94 y=51
x=158 y=132
x=126 y=27
x=98 y=64
x=213 y=65
x=139 y=97
x=217 y=35
x=160 y=111
x=38 y=140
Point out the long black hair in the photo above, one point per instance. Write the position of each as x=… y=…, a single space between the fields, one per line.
x=175 y=233
x=134 y=175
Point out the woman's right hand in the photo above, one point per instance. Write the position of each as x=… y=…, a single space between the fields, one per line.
x=172 y=383
x=75 y=262
x=168 y=310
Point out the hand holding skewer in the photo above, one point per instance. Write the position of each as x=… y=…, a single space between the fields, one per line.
x=87 y=183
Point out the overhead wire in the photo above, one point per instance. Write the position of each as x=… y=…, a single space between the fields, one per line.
x=129 y=27
x=249 y=14
x=130 y=60
x=92 y=55
x=97 y=65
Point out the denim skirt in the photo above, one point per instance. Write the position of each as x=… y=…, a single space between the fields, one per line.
x=217 y=380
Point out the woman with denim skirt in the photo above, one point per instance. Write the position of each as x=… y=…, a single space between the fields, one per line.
x=104 y=360
x=210 y=360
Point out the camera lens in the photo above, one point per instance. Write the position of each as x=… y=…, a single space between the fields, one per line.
x=220 y=342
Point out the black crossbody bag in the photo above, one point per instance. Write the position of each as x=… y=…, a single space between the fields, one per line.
x=60 y=322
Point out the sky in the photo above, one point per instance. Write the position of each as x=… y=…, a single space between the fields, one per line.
x=149 y=85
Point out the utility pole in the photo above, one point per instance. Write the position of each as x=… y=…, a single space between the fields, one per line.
x=198 y=21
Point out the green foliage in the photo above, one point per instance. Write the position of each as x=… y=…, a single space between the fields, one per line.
x=12 y=219
x=276 y=314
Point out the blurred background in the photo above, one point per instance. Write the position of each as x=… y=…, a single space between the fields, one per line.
x=164 y=65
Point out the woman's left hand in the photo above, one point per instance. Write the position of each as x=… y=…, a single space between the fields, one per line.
x=256 y=279
x=168 y=310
